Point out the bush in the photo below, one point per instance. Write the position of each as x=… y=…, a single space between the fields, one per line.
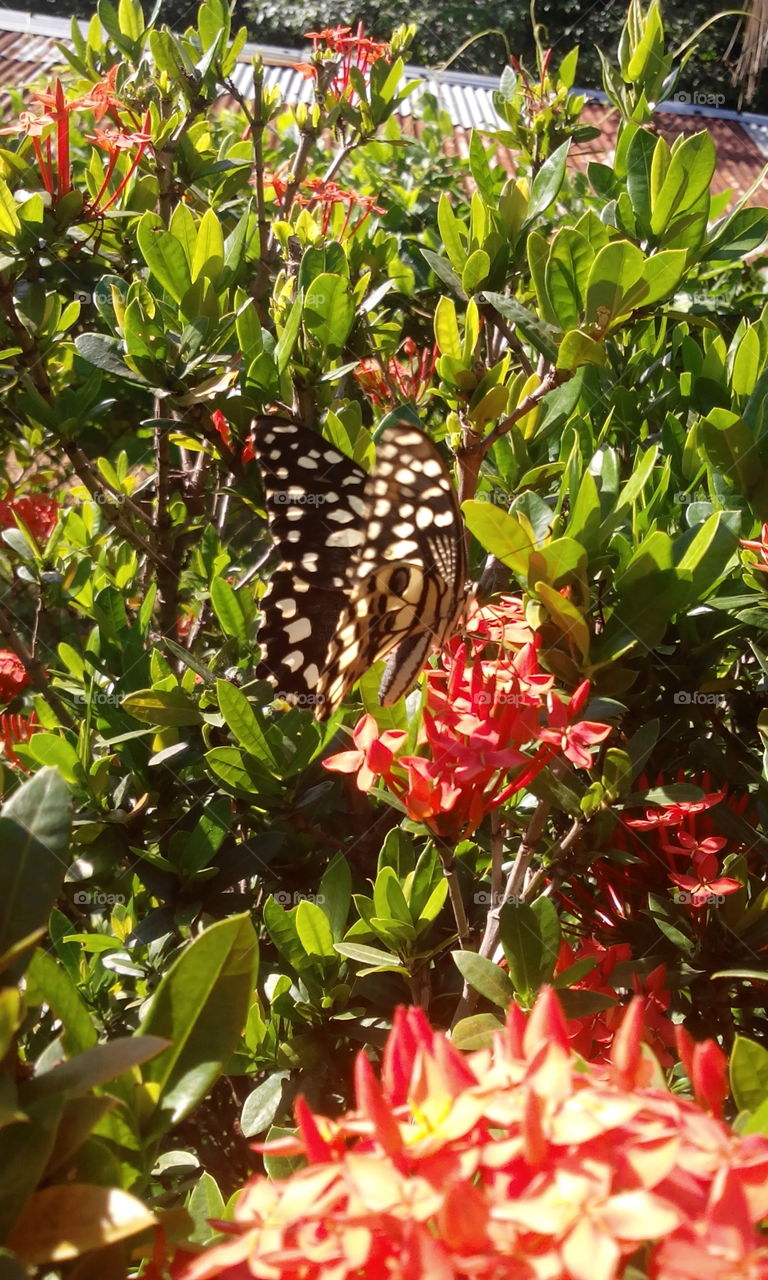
x=215 y=898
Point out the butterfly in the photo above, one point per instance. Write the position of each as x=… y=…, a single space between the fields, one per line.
x=368 y=561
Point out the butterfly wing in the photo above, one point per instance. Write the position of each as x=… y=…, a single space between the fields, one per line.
x=317 y=509
x=408 y=583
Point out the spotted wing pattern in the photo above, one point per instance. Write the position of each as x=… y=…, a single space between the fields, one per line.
x=368 y=562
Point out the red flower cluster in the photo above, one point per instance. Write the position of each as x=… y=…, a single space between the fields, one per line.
x=515 y=1163
x=591 y=1034
x=673 y=848
x=761 y=546
x=37 y=511
x=403 y=380
x=13 y=675
x=357 y=51
x=489 y=727
x=327 y=196
x=49 y=130
x=15 y=729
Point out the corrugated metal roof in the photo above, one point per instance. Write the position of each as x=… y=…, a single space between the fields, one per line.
x=28 y=52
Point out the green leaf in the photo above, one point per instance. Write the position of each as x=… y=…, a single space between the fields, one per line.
x=568 y=264
x=453 y=234
x=329 y=312
x=51 y=749
x=200 y=1006
x=164 y=256
x=370 y=956
x=287 y=340
x=94 y=1067
x=261 y=1106
x=485 y=977
x=523 y=947
x=615 y=271
x=388 y=897
x=208 y=257
x=688 y=176
x=242 y=720
x=313 y=929
x=539 y=333
x=577 y=349
x=9 y=218
x=335 y=894
x=227 y=608
x=105 y=352
x=49 y=983
x=476 y=1032
x=205 y=1202
x=130 y=19
x=34 y=841
x=548 y=181
x=749 y=1074
x=476 y=270
x=171 y=707
x=550 y=932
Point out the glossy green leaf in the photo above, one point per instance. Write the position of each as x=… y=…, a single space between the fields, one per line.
x=200 y=1006
x=34 y=841
x=329 y=312
x=241 y=718
x=227 y=608
x=485 y=977
x=262 y=1105
x=748 y=1069
x=523 y=947
x=313 y=929
x=164 y=256
x=172 y=707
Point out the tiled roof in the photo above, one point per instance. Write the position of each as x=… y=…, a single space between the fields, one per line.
x=28 y=53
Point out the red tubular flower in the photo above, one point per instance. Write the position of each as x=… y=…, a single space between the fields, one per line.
x=37 y=511
x=13 y=675
x=222 y=427
x=480 y=729
x=374 y=754
x=13 y=730
x=355 y=50
x=411 y=377
x=761 y=546
x=519 y=1162
x=115 y=142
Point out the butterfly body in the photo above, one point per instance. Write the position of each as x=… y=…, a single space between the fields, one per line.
x=368 y=561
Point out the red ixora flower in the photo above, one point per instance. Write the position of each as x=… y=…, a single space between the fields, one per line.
x=328 y=196
x=38 y=511
x=222 y=427
x=761 y=546
x=373 y=755
x=354 y=49
x=13 y=730
x=13 y=675
x=517 y=1162
x=115 y=142
x=400 y=380
x=486 y=728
